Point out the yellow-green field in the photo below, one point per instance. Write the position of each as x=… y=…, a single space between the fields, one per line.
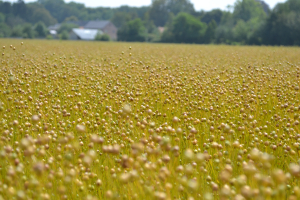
x=84 y=120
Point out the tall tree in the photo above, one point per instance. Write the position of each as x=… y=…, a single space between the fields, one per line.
x=209 y=16
x=185 y=29
x=121 y=18
x=39 y=13
x=243 y=23
x=5 y=8
x=248 y=9
x=160 y=10
x=224 y=32
x=20 y=9
x=40 y=29
x=133 y=30
x=28 y=31
x=66 y=27
x=55 y=7
x=210 y=32
x=2 y=18
x=283 y=24
x=4 y=30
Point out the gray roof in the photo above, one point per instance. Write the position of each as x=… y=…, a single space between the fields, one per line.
x=78 y=23
x=85 y=34
x=96 y=24
x=54 y=27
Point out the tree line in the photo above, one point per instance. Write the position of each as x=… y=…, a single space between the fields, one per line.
x=249 y=22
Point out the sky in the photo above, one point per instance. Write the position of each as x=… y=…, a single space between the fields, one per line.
x=199 y=4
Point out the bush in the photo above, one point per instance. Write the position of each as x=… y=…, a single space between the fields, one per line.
x=185 y=29
x=28 y=31
x=66 y=27
x=40 y=29
x=64 y=35
x=49 y=37
x=133 y=30
x=17 y=31
x=102 y=37
x=4 y=30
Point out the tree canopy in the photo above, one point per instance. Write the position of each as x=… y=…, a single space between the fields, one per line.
x=248 y=9
x=186 y=29
x=133 y=30
x=282 y=27
x=161 y=10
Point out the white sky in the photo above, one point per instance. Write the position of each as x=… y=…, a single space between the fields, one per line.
x=199 y=4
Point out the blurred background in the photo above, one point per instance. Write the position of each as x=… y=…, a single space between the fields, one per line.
x=235 y=22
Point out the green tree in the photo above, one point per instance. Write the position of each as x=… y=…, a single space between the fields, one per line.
x=248 y=9
x=64 y=35
x=210 y=32
x=4 y=30
x=2 y=18
x=160 y=9
x=13 y=21
x=167 y=36
x=283 y=24
x=121 y=18
x=40 y=29
x=102 y=37
x=159 y=12
x=240 y=32
x=209 y=16
x=71 y=19
x=66 y=27
x=133 y=30
x=137 y=12
x=20 y=9
x=28 y=31
x=55 y=7
x=39 y=13
x=187 y=29
x=151 y=31
x=17 y=31
x=177 y=6
x=5 y=8
x=241 y=26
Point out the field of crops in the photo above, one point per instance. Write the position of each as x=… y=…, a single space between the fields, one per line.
x=84 y=120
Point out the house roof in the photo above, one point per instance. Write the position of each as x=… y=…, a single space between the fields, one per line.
x=53 y=32
x=86 y=34
x=96 y=24
x=78 y=23
x=54 y=27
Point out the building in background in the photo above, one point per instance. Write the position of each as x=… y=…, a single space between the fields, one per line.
x=84 y=34
x=88 y=28
x=105 y=26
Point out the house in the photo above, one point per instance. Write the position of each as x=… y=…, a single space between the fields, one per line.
x=53 y=30
x=80 y=24
x=84 y=34
x=54 y=27
x=105 y=26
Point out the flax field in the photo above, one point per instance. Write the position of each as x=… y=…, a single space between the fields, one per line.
x=92 y=121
